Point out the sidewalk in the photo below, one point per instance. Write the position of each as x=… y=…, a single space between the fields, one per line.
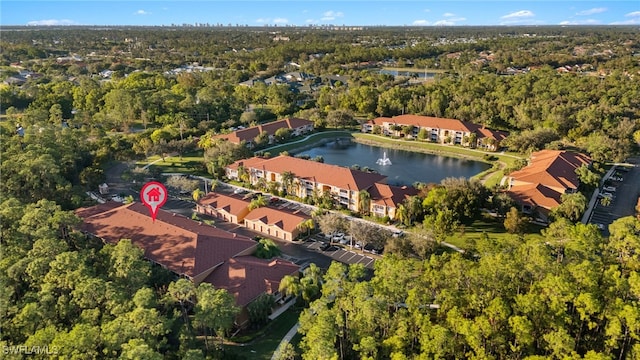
x=286 y=339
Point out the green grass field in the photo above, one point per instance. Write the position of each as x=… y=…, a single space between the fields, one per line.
x=492 y=227
x=265 y=345
x=188 y=164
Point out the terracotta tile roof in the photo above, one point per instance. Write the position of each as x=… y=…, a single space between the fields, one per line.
x=297 y=122
x=282 y=219
x=184 y=246
x=535 y=195
x=553 y=168
x=492 y=134
x=432 y=122
x=247 y=163
x=250 y=133
x=442 y=123
x=272 y=127
x=389 y=195
x=246 y=277
x=231 y=204
x=341 y=177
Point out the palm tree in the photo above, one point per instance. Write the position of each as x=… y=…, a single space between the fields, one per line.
x=605 y=201
x=243 y=174
x=287 y=180
x=402 y=215
x=290 y=286
x=308 y=225
x=197 y=194
x=260 y=201
x=364 y=201
x=261 y=184
x=319 y=211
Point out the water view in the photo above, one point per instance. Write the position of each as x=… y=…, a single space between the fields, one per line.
x=406 y=167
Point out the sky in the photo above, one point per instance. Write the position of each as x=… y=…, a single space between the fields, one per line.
x=320 y=12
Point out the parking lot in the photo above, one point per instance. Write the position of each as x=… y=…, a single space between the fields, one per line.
x=622 y=192
x=338 y=252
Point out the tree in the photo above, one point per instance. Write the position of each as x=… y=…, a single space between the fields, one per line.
x=364 y=201
x=215 y=310
x=332 y=223
x=308 y=225
x=624 y=240
x=282 y=134
x=197 y=194
x=572 y=206
x=267 y=249
x=183 y=183
x=258 y=202
x=287 y=178
x=588 y=177
x=260 y=309
x=515 y=223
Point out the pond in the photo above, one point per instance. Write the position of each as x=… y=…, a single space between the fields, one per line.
x=406 y=167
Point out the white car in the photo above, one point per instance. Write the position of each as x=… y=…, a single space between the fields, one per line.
x=599 y=226
x=606 y=194
x=609 y=189
x=337 y=237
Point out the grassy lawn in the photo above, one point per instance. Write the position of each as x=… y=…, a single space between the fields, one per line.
x=492 y=227
x=264 y=346
x=188 y=164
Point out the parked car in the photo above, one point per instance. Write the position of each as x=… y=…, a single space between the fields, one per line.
x=609 y=189
x=324 y=246
x=238 y=191
x=338 y=237
x=274 y=200
x=617 y=178
x=606 y=194
x=599 y=226
x=398 y=233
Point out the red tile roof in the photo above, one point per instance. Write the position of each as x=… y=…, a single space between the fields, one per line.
x=284 y=220
x=246 y=277
x=442 y=123
x=389 y=195
x=184 y=246
x=231 y=204
x=341 y=177
x=536 y=195
x=249 y=134
x=553 y=168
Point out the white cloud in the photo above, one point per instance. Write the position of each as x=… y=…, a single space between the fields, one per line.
x=262 y=20
x=444 y=23
x=331 y=15
x=581 y=22
x=51 y=22
x=591 y=11
x=633 y=14
x=634 y=21
x=280 y=21
x=519 y=14
x=141 y=12
x=448 y=14
x=421 y=22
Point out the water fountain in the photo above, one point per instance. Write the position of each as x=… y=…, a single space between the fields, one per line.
x=384 y=160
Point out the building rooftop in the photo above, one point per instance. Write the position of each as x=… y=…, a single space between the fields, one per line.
x=229 y=203
x=341 y=177
x=284 y=220
x=553 y=168
x=246 y=277
x=184 y=246
x=389 y=195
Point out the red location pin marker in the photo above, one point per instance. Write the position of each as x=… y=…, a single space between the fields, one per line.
x=153 y=195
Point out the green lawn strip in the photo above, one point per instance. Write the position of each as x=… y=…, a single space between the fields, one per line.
x=188 y=164
x=492 y=227
x=268 y=338
x=313 y=138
